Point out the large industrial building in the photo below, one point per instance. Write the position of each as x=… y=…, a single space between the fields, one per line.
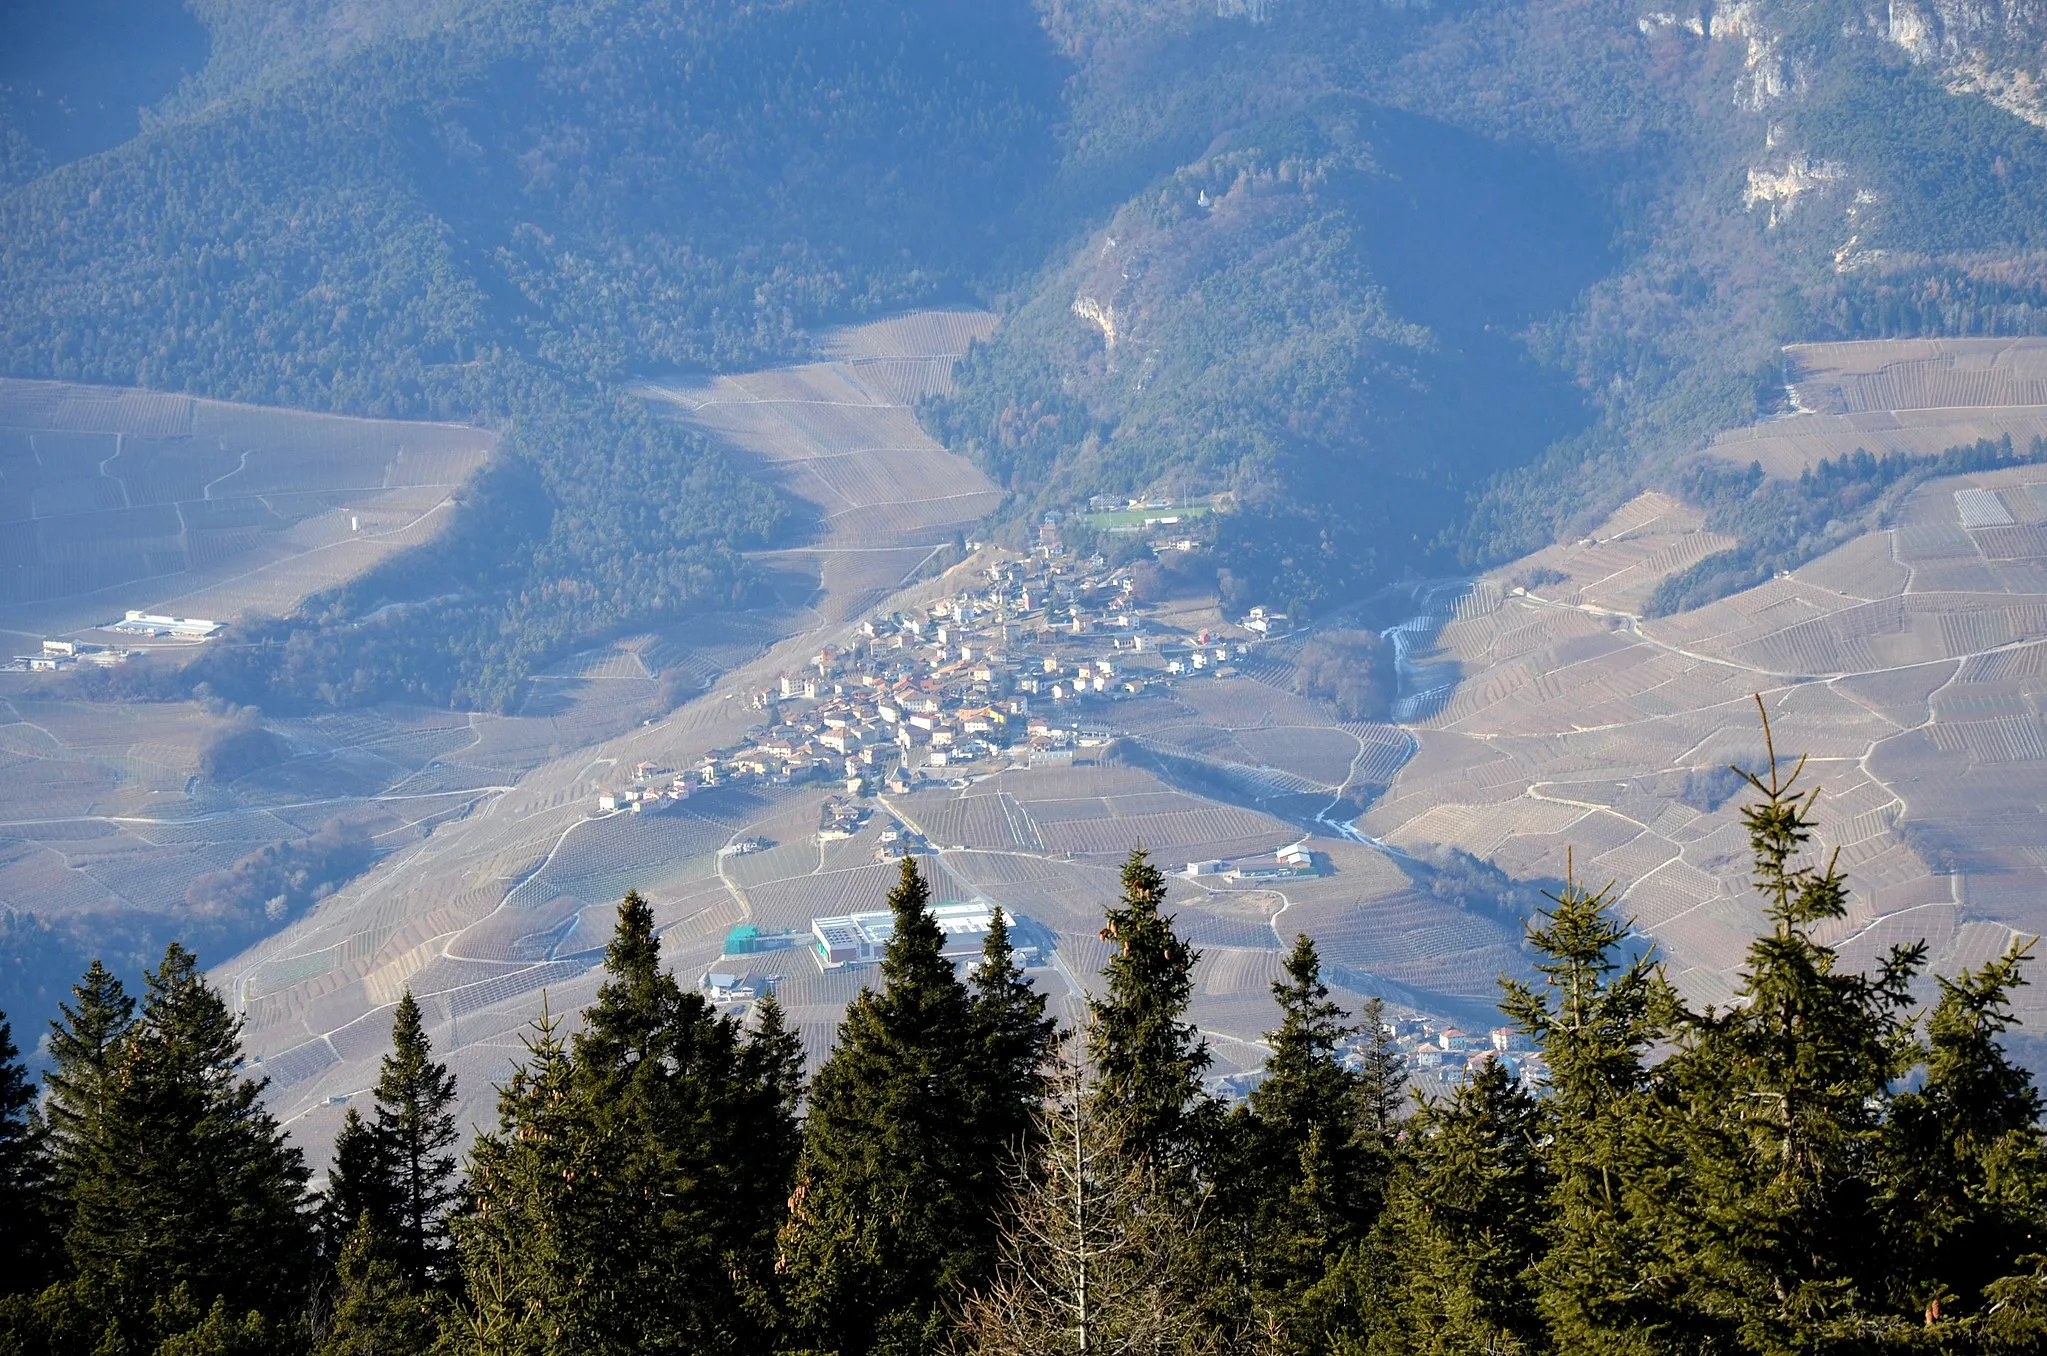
x=860 y=938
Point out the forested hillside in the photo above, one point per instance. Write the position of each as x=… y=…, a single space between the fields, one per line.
x=1401 y=282
x=1822 y=1166
x=494 y=218
x=1422 y=287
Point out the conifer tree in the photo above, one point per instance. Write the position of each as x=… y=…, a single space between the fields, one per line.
x=1149 y=1059
x=1306 y=1086
x=1782 y=1097
x=767 y=1092
x=1465 y=1220
x=701 y=1120
x=376 y=1311
x=888 y=1221
x=1382 y=1080
x=1965 y=1192
x=359 y=1188
x=188 y=1196
x=1312 y=1167
x=536 y=1197
x=414 y=1137
x=85 y=1047
x=28 y=1204
x=215 y=1331
x=1016 y=1037
x=1610 y=1161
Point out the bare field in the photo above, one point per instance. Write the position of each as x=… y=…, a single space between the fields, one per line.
x=1899 y=395
x=841 y=435
x=1907 y=665
x=122 y=499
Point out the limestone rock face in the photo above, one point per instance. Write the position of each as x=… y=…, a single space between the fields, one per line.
x=1995 y=49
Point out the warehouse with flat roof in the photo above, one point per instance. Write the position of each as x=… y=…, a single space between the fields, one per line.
x=860 y=938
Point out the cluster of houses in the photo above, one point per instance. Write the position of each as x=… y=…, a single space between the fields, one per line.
x=64 y=654
x=1019 y=668
x=1443 y=1054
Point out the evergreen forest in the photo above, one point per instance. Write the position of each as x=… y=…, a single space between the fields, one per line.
x=1834 y=1162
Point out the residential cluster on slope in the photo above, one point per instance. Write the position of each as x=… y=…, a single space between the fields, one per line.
x=1444 y=1054
x=1436 y=1055
x=1020 y=668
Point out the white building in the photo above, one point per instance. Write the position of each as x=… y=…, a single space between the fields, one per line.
x=149 y=624
x=730 y=988
x=860 y=938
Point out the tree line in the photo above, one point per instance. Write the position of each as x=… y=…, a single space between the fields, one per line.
x=1816 y=1166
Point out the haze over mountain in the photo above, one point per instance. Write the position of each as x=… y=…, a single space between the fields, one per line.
x=1408 y=292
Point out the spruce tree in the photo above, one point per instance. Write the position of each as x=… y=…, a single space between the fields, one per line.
x=767 y=1094
x=1965 y=1175
x=28 y=1204
x=188 y=1196
x=414 y=1136
x=701 y=1118
x=1016 y=1037
x=85 y=1048
x=1306 y=1086
x=1770 y=1210
x=537 y=1196
x=1312 y=1167
x=1382 y=1082
x=359 y=1188
x=1609 y=1157
x=1149 y=1059
x=376 y=1311
x=1464 y=1226
x=888 y=1222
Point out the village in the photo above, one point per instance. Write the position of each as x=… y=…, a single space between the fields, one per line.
x=1022 y=670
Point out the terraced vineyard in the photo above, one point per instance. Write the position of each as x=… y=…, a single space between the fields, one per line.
x=1909 y=667
x=117 y=499
x=1899 y=395
x=840 y=436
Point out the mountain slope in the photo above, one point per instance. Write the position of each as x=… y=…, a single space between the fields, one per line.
x=1553 y=248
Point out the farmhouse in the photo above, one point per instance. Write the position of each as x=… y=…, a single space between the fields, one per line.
x=722 y=987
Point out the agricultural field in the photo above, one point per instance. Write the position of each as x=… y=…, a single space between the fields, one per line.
x=1908 y=668
x=1918 y=396
x=116 y=500
x=841 y=437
